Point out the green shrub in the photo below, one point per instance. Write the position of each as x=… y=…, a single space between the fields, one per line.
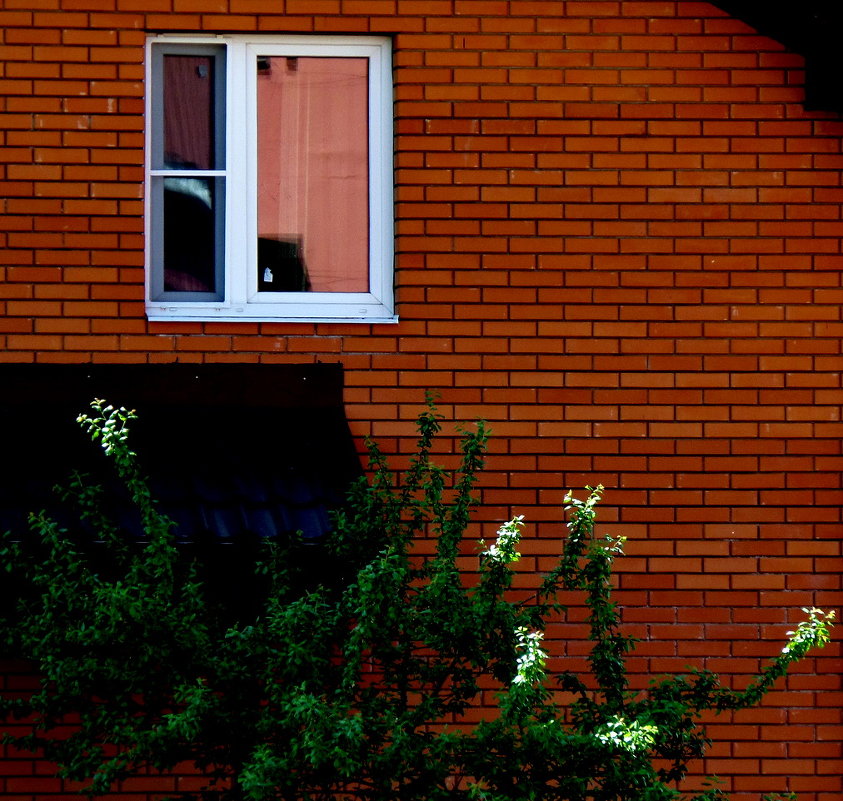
x=356 y=687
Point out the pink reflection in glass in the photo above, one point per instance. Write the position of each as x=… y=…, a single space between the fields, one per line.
x=188 y=112
x=313 y=169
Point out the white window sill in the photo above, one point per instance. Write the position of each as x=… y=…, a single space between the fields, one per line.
x=160 y=316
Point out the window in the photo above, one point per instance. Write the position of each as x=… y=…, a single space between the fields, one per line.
x=269 y=178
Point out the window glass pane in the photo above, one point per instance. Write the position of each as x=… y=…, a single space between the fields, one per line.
x=313 y=168
x=192 y=234
x=189 y=112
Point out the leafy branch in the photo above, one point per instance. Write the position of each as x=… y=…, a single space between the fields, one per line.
x=367 y=685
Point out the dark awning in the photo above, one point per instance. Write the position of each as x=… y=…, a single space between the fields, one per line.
x=232 y=450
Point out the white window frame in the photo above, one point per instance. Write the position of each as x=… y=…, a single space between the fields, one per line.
x=241 y=300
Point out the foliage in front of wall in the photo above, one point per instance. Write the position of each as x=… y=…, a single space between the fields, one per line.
x=358 y=688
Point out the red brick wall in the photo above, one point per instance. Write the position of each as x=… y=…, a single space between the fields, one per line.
x=618 y=240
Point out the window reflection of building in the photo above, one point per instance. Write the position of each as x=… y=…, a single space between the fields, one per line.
x=189 y=224
x=189 y=235
x=313 y=167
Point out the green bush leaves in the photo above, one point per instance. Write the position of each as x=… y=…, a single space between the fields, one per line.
x=365 y=686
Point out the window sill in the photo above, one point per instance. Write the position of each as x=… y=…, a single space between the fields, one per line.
x=159 y=316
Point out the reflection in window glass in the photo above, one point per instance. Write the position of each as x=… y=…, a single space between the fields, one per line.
x=313 y=166
x=190 y=235
x=189 y=112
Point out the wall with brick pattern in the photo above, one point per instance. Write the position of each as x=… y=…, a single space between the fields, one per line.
x=618 y=241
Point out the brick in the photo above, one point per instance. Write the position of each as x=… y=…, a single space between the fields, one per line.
x=619 y=240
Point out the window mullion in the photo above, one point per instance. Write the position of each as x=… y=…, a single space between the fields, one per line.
x=239 y=180
x=250 y=170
